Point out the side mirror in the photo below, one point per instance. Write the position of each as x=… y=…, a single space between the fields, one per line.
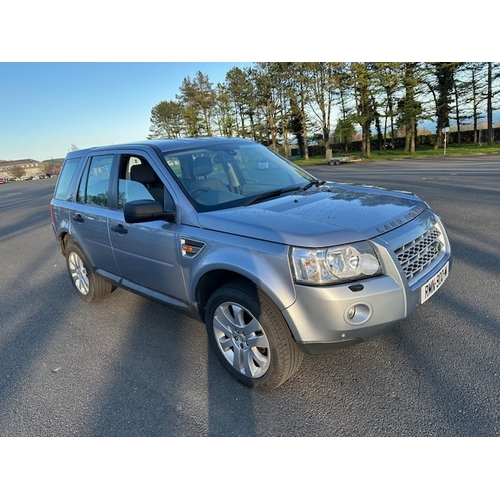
x=146 y=211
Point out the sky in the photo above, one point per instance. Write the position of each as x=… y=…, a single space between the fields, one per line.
x=92 y=75
x=47 y=107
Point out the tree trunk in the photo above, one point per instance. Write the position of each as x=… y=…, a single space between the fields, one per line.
x=490 y=106
x=365 y=139
x=457 y=112
x=306 y=147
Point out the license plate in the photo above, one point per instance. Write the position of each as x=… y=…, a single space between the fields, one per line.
x=434 y=284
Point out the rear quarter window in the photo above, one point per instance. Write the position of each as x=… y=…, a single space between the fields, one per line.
x=64 y=179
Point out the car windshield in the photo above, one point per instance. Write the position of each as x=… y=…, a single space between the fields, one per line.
x=230 y=175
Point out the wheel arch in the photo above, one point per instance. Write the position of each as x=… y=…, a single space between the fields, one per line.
x=215 y=278
x=211 y=281
x=64 y=239
x=266 y=268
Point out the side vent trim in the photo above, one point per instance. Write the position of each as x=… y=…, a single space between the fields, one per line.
x=191 y=248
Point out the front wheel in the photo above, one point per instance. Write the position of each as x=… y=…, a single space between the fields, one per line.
x=250 y=337
x=89 y=285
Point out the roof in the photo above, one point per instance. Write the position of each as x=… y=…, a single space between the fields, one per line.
x=162 y=145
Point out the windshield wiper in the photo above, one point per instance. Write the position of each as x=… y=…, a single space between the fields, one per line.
x=315 y=182
x=271 y=194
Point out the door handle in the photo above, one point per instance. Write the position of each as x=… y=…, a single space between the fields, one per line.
x=119 y=229
x=78 y=218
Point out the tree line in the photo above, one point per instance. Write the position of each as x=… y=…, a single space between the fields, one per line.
x=276 y=103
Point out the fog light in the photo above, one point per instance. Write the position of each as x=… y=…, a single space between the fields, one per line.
x=357 y=314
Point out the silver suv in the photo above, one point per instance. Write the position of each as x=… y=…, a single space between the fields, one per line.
x=275 y=262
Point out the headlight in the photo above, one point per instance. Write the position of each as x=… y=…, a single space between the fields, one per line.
x=325 y=266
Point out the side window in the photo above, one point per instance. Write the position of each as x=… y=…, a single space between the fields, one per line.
x=138 y=181
x=64 y=179
x=95 y=183
x=182 y=168
x=175 y=165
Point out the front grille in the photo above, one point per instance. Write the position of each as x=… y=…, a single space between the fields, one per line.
x=418 y=254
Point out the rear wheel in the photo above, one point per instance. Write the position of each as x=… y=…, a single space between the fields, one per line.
x=250 y=336
x=89 y=285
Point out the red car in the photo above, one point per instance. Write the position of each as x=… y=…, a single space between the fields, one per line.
x=2 y=181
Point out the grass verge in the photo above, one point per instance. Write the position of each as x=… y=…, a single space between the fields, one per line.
x=399 y=154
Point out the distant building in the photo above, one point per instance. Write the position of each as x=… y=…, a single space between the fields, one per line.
x=4 y=165
x=31 y=167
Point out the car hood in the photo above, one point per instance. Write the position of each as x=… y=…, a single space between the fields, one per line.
x=332 y=214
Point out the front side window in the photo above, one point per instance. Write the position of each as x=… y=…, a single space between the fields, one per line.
x=95 y=184
x=137 y=180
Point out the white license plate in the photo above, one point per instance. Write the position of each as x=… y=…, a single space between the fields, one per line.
x=434 y=284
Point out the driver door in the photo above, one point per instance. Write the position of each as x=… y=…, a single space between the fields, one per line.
x=147 y=253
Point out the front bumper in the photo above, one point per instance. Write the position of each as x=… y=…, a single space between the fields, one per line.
x=325 y=318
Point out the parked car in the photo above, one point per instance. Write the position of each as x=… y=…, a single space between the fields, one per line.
x=2 y=180
x=274 y=261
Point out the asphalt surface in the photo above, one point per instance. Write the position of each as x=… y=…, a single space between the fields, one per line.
x=131 y=367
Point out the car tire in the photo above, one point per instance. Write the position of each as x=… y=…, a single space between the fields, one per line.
x=250 y=336
x=89 y=285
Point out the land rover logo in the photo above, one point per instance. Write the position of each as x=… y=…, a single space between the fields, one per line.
x=399 y=222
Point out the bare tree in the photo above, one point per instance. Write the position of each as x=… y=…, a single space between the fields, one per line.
x=18 y=172
x=390 y=80
x=323 y=92
x=299 y=98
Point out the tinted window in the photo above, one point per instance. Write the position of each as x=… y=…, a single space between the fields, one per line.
x=64 y=179
x=94 y=186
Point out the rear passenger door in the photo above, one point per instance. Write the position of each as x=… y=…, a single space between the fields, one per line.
x=147 y=254
x=89 y=219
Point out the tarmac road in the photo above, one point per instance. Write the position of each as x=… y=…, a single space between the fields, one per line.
x=131 y=367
